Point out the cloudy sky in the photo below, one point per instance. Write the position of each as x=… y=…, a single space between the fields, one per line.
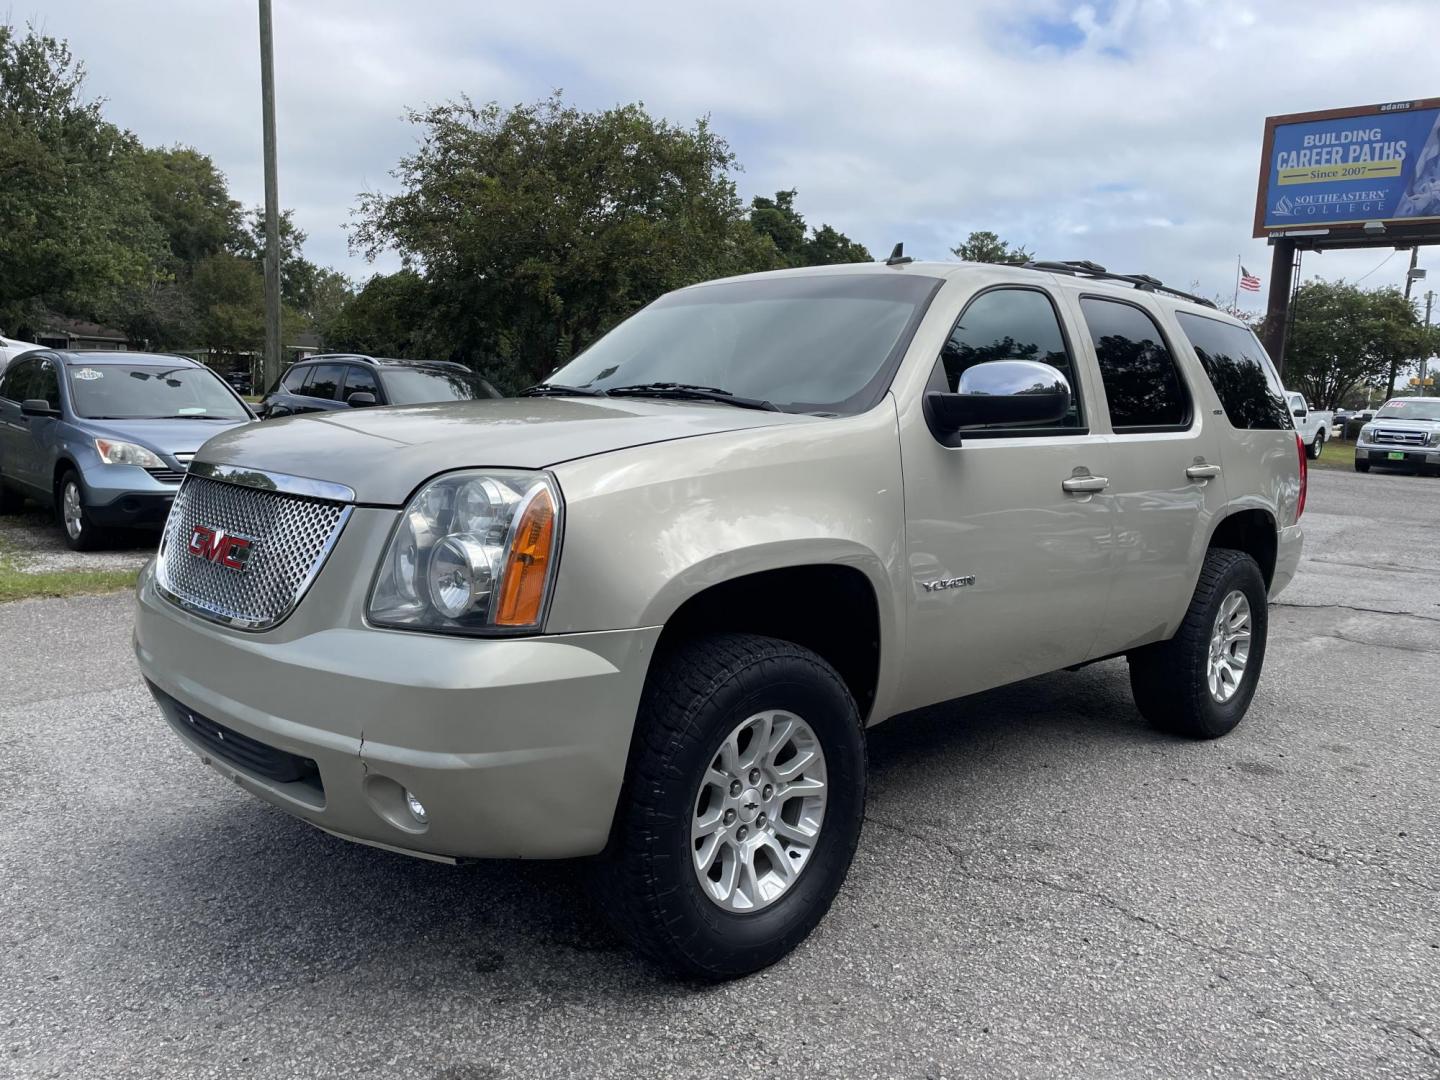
x=1125 y=131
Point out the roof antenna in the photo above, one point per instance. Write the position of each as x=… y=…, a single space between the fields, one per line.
x=898 y=256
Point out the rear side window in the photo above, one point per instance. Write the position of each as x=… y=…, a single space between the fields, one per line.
x=360 y=380
x=325 y=382
x=1011 y=324
x=1142 y=383
x=1241 y=373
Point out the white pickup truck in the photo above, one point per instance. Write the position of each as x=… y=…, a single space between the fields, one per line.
x=1312 y=425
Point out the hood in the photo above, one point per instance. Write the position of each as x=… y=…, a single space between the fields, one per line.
x=178 y=436
x=1426 y=426
x=384 y=454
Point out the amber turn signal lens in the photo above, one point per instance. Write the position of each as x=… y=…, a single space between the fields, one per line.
x=522 y=589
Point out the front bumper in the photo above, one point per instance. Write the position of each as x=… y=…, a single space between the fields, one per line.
x=123 y=496
x=1413 y=457
x=516 y=747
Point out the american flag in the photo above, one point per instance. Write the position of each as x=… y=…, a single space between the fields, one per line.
x=1248 y=281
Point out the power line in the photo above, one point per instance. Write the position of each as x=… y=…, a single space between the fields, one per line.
x=1383 y=261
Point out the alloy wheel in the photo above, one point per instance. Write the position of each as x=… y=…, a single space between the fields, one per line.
x=1229 y=646
x=759 y=811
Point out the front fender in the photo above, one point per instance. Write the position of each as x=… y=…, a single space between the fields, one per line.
x=650 y=527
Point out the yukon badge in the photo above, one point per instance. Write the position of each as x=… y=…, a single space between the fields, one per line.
x=949 y=583
x=219 y=547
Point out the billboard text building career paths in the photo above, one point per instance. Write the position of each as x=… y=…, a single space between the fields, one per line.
x=1347 y=167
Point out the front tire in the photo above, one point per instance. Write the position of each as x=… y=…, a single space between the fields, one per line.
x=1362 y=466
x=76 y=525
x=11 y=501
x=742 y=809
x=1200 y=682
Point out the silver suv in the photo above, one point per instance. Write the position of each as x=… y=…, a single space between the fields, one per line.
x=645 y=611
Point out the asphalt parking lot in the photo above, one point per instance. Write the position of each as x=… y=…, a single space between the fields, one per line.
x=1045 y=887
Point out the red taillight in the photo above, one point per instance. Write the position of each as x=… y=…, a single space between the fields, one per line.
x=1304 y=476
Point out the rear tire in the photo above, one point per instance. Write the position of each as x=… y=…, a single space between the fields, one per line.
x=1195 y=684
x=11 y=502
x=73 y=515
x=1362 y=466
x=1317 y=446
x=698 y=878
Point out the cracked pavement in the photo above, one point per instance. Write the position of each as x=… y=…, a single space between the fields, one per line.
x=1044 y=888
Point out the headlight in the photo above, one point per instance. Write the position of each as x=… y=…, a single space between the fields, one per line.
x=124 y=453
x=473 y=552
x=1366 y=432
x=1434 y=439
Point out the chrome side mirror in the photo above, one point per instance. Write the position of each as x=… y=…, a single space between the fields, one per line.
x=1008 y=393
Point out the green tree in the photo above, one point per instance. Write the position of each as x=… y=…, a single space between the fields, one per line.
x=75 y=230
x=984 y=246
x=778 y=220
x=539 y=227
x=191 y=203
x=389 y=316
x=298 y=275
x=1343 y=337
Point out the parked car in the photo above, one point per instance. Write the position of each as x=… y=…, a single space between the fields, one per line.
x=1312 y=425
x=105 y=438
x=1405 y=433
x=645 y=611
x=11 y=348
x=323 y=383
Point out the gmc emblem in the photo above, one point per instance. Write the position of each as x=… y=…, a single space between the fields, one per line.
x=215 y=545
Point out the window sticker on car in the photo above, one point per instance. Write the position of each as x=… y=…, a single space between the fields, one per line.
x=89 y=374
x=192 y=410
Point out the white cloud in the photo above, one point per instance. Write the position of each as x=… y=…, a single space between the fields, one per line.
x=1126 y=131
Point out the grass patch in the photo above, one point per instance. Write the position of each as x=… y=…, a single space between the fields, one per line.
x=1337 y=454
x=16 y=584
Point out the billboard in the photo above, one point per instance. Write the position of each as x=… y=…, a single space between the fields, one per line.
x=1345 y=167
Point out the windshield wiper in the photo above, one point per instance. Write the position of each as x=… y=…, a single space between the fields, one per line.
x=691 y=392
x=550 y=389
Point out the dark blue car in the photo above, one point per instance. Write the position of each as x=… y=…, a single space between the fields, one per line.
x=105 y=438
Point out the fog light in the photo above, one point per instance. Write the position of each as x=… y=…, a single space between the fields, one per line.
x=417 y=808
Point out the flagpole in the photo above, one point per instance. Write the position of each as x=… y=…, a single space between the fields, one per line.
x=1235 y=303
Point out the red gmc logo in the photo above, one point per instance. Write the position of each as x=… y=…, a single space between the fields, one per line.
x=231 y=552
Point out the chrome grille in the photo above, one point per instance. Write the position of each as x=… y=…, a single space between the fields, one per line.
x=1400 y=438
x=289 y=537
x=166 y=476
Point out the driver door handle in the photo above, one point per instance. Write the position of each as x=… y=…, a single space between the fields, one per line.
x=1203 y=472
x=1085 y=485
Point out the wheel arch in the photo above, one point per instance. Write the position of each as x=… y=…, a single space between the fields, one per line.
x=1253 y=530
x=831 y=607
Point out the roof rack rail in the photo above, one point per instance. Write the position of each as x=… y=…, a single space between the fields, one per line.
x=1085 y=268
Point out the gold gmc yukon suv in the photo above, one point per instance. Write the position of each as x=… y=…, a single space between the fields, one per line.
x=645 y=611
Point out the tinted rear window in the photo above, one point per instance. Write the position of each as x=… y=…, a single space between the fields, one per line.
x=1241 y=373
x=1141 y=381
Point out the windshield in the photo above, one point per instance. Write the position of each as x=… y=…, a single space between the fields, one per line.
x=823 y=343
x=151 y=392
x=418 y=386
x=1401 y=409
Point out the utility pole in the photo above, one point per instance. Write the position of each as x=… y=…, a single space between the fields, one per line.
x=1410 y=276
x=1424 y=358
x=271 y=370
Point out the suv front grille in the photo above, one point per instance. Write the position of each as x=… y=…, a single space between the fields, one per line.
x=258 y=550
